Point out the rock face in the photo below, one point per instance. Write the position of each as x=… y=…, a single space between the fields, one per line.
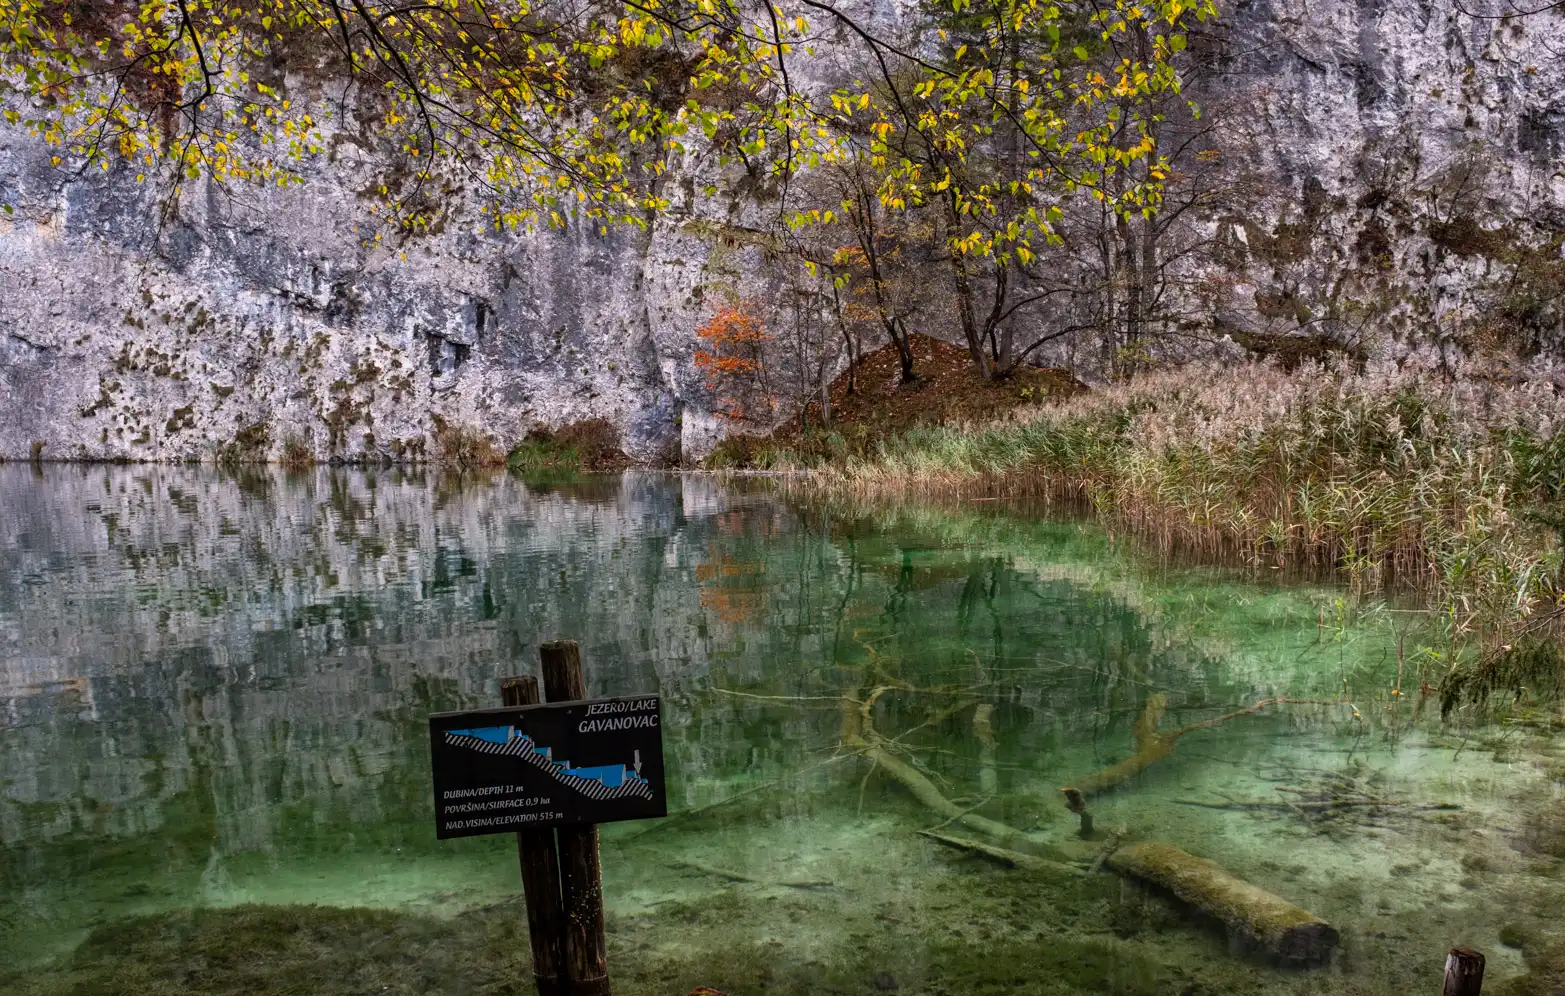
x=1394 y=178
x=1404 y=175
x=261 y=320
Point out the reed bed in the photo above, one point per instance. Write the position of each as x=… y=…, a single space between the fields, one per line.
x=1395 y=477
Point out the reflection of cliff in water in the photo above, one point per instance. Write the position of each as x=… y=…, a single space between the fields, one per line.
x=198 y=665
x=241 y=645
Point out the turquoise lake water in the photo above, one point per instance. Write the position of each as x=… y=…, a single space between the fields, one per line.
x=214 y=691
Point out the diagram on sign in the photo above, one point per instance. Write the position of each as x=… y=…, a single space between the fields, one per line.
x=608 y=781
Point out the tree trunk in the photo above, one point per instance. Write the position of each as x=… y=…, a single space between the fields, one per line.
x=1130 y=278
x=898 y=333
x=1290 y=933
x=964 y=305
x=1108 y=315
x=869 y=243
x=1000 y=341
x=847 y=341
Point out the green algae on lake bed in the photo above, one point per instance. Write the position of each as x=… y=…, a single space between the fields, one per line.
x=212 y=706
x=287 y=950
x=276 y=950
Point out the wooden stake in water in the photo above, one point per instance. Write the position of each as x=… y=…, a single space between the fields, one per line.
x=540 y=876
x=1078 y=805
x=581 y=880
x=1463 y=973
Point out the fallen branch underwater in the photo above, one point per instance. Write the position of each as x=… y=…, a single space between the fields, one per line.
x=1287 y=931
x=1003 y=856
x=1153 y=746
x=734 y=876
x=859 y=732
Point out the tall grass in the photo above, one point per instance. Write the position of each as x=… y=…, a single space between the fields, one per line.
x=465 y=447
x=1395 y=477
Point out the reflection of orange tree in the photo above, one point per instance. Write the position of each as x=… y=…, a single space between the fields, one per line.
x=731 y=588
x=732 y=359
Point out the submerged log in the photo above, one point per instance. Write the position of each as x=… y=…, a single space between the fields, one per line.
x=1282 y=928
x=924 y=790
x=858 y=732
x=1285 y=930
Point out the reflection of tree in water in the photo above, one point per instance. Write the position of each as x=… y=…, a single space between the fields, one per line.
x=732 y=574
x=731 y=588
x=1051 y=656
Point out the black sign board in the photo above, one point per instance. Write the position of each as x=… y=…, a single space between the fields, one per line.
x=501 y=770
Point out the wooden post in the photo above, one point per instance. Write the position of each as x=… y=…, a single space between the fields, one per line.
x=1463 y=972
x=540 y=876
x=581 y=880
x=1076 y=803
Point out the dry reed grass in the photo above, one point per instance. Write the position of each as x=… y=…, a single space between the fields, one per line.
x=1395 y=477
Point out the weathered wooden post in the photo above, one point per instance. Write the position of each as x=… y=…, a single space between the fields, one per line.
x=581 y=879
x=540 y=875
x=1077 y=803
x=550 y=773
x=1463 y=972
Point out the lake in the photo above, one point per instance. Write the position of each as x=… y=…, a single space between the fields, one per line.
x=214 y=758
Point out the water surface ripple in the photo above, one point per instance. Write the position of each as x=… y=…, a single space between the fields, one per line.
x=213 y=689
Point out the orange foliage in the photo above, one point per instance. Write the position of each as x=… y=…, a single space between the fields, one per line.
x=734 y=606
x=726 y=568
x=731 y=359
x=734 y=590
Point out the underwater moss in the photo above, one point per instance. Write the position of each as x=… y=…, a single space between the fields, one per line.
x=1515 y=936
x=278 y=950
x=1545 y=973
x=328 y=951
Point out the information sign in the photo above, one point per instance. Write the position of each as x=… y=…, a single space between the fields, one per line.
x=502 y=770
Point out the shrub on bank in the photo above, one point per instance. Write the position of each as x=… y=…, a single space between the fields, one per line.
x=589 y=445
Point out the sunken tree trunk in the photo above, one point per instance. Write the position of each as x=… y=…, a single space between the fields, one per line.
x=1290 y=933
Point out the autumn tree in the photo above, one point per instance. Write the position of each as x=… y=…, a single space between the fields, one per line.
x=1012 y=110
x=873 y=265
x=573 y=106
x=732 y=359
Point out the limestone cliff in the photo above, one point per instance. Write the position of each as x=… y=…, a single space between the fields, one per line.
x=1393 y=179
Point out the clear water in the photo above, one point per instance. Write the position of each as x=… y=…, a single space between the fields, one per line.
x=213 y=691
